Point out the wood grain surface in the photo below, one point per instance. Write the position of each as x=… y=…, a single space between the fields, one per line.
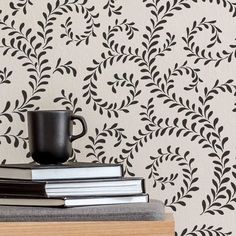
x=93 y=228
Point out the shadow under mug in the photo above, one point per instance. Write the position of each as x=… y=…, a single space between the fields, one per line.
x=50 y=135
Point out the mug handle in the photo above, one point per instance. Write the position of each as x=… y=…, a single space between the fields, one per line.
x=84 y=125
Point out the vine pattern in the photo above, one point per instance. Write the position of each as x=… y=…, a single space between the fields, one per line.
x=59 y=9
x=163 y=87
x=115 y=54
x=23 y=45
x=189 y=174
x=207 y=57
x=96 y=148
x=200 y=124
x=90 y=29
x=114 y=108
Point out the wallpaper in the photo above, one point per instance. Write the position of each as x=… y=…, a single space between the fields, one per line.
x=155 y=81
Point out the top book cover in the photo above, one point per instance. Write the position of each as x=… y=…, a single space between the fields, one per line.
x=69 y=170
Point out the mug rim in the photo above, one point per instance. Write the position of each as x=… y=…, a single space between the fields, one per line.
x=50 y=111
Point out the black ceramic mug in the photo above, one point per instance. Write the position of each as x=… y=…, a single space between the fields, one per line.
x=50 y=135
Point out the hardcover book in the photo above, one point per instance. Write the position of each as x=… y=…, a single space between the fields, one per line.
x=73 y=201
x=62 y=188
x=70 y=170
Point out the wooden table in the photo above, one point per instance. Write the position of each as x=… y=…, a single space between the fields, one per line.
x=90 y=228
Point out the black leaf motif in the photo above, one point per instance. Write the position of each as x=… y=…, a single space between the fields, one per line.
x=112 y=9
x=5 y=76
x=96 y=147
x=68 y=102
x=67 y=67
x=204 y=230
x=22 y=4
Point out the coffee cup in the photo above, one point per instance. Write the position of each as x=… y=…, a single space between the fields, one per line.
x=51 y=135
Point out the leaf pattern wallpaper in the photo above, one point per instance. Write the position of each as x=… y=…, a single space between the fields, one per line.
x=155 y=81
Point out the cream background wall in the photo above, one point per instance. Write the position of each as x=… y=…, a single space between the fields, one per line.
x=155 y=80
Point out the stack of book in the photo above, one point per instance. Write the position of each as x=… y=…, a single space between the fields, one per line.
x=68 y=185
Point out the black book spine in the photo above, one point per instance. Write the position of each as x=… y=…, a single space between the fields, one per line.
x=143 y=185
x=122 y=170
x=21 y=189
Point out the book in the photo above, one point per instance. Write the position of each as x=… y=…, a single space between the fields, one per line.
x=61 y=188
x=73 y=201
x=70 y=170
